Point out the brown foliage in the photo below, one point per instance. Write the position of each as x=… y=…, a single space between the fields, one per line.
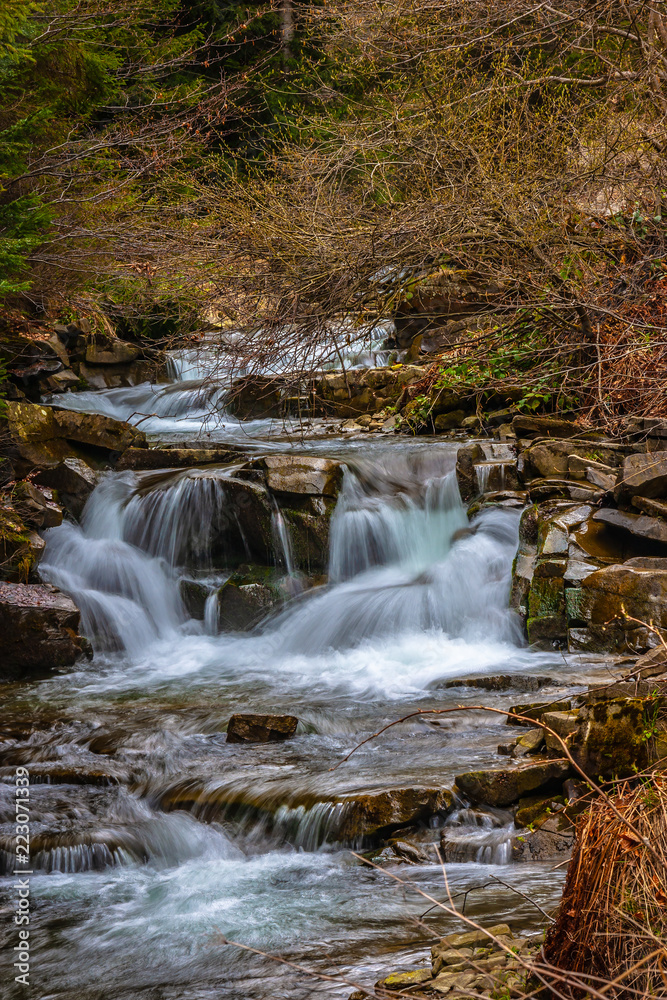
x=611 y=931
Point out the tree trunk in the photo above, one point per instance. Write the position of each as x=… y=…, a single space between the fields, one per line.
x=286 y=27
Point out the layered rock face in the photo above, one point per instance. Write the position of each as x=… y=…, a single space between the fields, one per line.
x=590 y=572
x=43 y=437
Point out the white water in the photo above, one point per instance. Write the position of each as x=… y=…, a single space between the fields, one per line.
x=416 y=597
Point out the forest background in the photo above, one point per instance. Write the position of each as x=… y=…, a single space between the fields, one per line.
x=285 y=167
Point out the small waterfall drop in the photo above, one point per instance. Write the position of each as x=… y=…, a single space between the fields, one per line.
x=476 y=835
x=127 y=598
x=282 y=540
x=407 y=560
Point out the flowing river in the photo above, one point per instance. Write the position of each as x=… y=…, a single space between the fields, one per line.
x=158 y=842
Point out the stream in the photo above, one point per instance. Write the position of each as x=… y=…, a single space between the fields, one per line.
x=156 y=842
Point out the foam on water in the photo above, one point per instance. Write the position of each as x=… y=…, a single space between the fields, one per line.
x=417 y=595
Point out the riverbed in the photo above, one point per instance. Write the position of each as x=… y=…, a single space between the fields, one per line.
x=159 y=842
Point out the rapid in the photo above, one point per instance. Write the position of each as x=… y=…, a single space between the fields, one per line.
x=156 y=842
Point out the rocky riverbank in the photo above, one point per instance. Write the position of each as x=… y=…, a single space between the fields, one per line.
x=202 y=540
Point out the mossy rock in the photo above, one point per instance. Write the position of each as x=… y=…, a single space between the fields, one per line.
x=613 y=737
x=535 y=809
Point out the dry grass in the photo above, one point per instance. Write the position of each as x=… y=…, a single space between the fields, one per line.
x=610 y=937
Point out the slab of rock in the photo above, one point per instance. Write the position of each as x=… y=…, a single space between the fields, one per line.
x=651 y=664
x=642 y=475
x=596 y=473
x=654 y=508
x=73 y=480
x=549 y=459
x=502 y=788
x=373 y=814
x=503 y=682
x=62 y=381
x=105 y=349
x=639 y=525
x=556 y=489
x=39 y=627
x=250 y=728
x=400 y=980
x=535 y=710
x=303 y=475
x=525 y=426
x=97 y=430
x=173 y=458
x=44 y=436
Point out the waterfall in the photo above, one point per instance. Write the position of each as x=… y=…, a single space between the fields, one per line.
x=178 y=516
x=282 y=540
x=476 y=835
x=406 y=561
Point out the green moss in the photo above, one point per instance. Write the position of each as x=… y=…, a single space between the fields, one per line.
x=546 y=598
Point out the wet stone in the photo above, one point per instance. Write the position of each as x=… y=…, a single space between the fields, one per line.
x=248 y=728
x=503 y=682
x=39 y=626
x=535 y=710
x=549 y=843
x=503 y=787
x=400 y=980
x=529 y=743
x=373 y=814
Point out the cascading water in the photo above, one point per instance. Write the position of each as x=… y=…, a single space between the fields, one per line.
x=134 y=789
x=482 y=836
x=404 y=564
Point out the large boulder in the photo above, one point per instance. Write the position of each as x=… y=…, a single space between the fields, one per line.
x=303 y=475
x=241 y=606
x=39 y=626
x=42 y=436
x=642 y=475
x=104 y=348
x=617 y=601
x=612 y=735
